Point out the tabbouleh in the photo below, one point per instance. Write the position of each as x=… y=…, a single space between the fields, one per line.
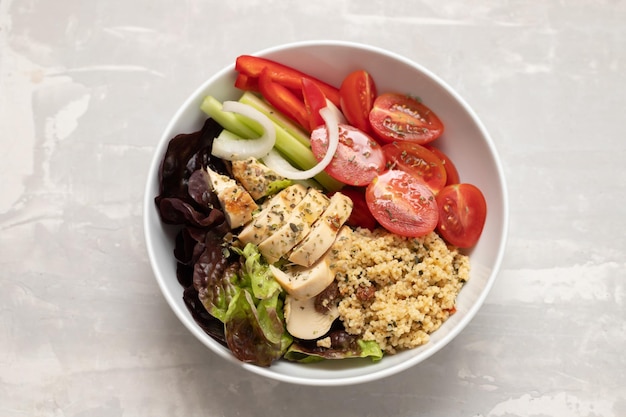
x=396 y=290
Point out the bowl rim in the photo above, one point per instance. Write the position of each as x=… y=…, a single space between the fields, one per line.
x=214 y=346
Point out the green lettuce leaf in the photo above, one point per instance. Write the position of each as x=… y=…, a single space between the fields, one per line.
x=343 y=346
x=245 y=335
x=254 y=321
x=262 y=281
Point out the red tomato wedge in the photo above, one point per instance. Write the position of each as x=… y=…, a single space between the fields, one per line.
x=357 y=94
x=289 y=77
x=462 y=214
x=396 y=117
x=283 y=99
x=452 y=174
x=402 y=204
x=418 y=161
x=361 y=215
x=358 y=159
x=314 y=101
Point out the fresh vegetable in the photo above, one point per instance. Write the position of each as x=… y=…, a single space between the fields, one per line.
x=397 y=117
x=182 y=199
x=246 y=83
x=314 y=101
x=231 y=147
x=283 y=99
x=233 y=122
x=462 y=214
x=357 y=94
x=343 y=345
x=278 y=164
x=287 y=76
x=402 y=204
x=293 y=131
x=417 y=161
x=357 y=160
x=452 y=174
x=287 y=144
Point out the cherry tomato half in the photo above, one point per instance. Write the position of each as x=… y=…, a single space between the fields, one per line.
x=452 y=174
x=403 y=118
x=357 y=94
x=402 y=204
x=358 y=160
x=462 y=214
x=418 y=161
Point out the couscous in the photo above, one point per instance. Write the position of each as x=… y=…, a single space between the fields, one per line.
x=396 y=290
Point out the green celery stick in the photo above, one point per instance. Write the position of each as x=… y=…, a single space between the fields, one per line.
x=230 y=121
x=293 y=149
x=253 y=100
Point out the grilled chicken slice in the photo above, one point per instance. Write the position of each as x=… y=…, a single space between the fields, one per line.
x=254 y=176
x=304 y=282
x=323 y=232
x=237 y=204
x=296 y=227
x=273 y=215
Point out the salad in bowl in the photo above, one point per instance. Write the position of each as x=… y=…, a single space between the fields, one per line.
x=312 y=213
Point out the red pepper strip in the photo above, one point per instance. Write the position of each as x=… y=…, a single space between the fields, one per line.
x=245 y=83
x=314 y=101
x=283 y=99
x=289 y=77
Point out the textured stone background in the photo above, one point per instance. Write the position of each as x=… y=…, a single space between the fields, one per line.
x=86 y=89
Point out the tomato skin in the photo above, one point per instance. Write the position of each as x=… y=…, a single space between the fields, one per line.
x=358 y=159
x=397 y=117
x=417 y=160
x=462 y=214
x=289 y=77
x=357 y=94
x=452 y=174
x=283 y=99
x=402 y=204
x=361 y=215
x=314 y=101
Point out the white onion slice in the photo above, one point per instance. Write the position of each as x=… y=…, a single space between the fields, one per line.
x=341 y=119
x=231 y=147
x=282 y=167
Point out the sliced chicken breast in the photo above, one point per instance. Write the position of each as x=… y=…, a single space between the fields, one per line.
x=237 y=204
x=296 y=227
x=273 y=215
x=254 y=176
x=323 y=232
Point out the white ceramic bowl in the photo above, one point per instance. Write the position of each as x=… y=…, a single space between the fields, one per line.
x=465 y=140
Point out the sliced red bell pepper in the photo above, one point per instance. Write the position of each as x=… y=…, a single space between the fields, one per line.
x=246 y=83
x=283 y=99
x=286 y=76
x=314 y=101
